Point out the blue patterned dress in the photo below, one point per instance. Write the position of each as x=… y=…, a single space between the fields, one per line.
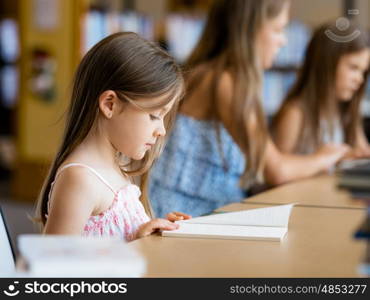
x=190 y=176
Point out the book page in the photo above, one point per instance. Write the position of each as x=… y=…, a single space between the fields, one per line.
x=227 y=232
x=274 y=216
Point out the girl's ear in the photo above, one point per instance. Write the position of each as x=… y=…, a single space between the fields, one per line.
x=108 y=103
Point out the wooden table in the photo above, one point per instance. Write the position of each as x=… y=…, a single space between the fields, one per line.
x=320 y=191
x=319 y=242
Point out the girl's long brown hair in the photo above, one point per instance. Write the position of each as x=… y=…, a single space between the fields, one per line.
x=314 y=90
x=135 y=69
x=228 y=43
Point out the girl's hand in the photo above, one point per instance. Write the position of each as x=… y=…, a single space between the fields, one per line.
x=332 y=153
x=177 y=216
x=356 y=153
x=155 y=225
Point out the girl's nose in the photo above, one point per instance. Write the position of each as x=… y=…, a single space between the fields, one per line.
x=160 y=131
x=360 y=78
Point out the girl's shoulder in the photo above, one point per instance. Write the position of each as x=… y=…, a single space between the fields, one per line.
x=226 y=84
x=84 y=180
x=288 y=120
x=291 y=110
x=225 y=90
x=77 y=179
x=74 y=192
x=75 y=195
x=198 y=102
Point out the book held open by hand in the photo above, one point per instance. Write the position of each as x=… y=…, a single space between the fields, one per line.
x=268 y=223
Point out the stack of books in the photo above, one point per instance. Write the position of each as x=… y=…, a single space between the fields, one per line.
x=354 y=176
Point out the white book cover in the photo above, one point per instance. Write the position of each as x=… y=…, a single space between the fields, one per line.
x=77 y=256
x=267 y=223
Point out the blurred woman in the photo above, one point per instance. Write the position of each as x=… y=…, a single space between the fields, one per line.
x=220 y=143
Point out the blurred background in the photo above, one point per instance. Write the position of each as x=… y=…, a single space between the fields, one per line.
x=42 y=41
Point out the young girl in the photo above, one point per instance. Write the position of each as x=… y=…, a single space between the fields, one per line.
x=124 y=98
x=324 y=104
x=221 y=136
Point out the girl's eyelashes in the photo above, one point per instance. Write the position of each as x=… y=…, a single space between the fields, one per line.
x=354 y=67
x=153 y=117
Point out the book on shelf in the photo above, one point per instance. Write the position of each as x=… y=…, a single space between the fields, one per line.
x=77 y=256
x=268 y=223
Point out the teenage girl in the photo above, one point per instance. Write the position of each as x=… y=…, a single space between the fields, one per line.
x=324 y=104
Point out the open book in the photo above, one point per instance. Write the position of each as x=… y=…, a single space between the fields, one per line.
x=268 y=223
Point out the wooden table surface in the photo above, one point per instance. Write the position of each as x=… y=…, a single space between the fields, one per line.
x=319 y=242
x=320 y=191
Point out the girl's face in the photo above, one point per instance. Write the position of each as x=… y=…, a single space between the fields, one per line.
x=272 y=37
x=350 y=73
x=134 y=131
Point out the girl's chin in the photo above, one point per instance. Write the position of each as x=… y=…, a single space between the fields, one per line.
x=267 y=65
x=139 y=156
x=346 y=98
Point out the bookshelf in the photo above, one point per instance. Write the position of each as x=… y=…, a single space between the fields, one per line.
x=106 y=17
x=103 y=18
x=50 y=40
x=9 y=83
x=188 y=17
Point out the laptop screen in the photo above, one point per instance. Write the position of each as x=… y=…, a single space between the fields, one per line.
x=7 y=256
